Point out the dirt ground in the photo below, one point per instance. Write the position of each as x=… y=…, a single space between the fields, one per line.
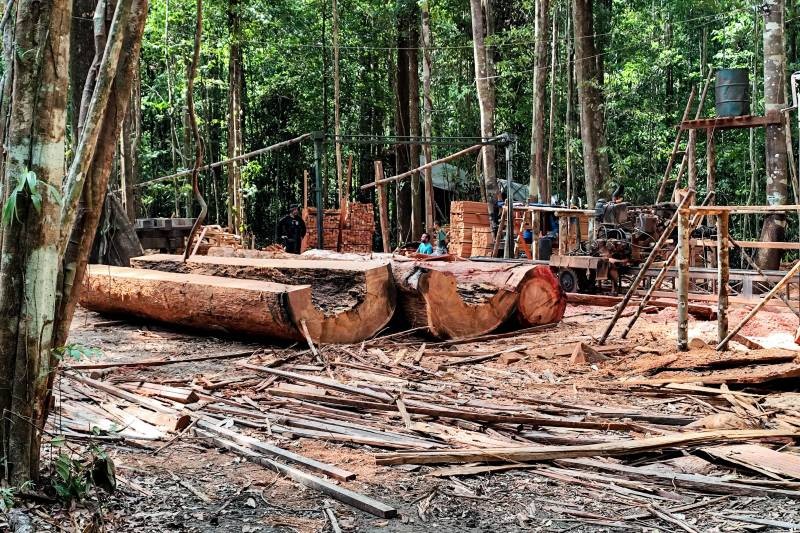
x=192 y=486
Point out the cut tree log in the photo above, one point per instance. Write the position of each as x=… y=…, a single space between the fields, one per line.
x=204 y=302
x=460 y=299
x=351 y=300
x=541 y=299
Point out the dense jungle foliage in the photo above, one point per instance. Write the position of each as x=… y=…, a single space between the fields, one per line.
x=651 y=53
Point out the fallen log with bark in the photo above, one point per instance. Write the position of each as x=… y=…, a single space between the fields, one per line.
x=207 y=303
x=350 y=300
x=698 y=311
x=463 y=299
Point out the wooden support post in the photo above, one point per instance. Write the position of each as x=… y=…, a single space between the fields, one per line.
x=646 y=265
x=305 y=190
x=723 y=276
x=711 y=161
x=684 y=234
x=563 y=234
x=691 y=159
x=767 y=297
x=383 y=207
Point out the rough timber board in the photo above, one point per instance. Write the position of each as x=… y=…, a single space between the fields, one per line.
x=352 y=300
x=205 y=302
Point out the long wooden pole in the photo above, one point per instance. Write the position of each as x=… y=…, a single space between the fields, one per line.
x=426 y=166
x=684 y=235
x=767 y=297
x=643 y=270
x=277 y=146
x=383 y=208
x=723 y=276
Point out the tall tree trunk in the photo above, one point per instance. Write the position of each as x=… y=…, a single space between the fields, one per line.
x=590 y=100
x=235 y=207
x=427 y=115
x=568 y=127
x=538 y=173
x=129 y=150
x=81 y=43
x=414 y=122
x=337 y=112
x=401 y=124
x=774 y=228
x=484 y=84
x=34 y=242
x=552 y=118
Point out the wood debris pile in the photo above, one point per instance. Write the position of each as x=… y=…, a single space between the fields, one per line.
x=469 y=407
x=214 y=236
x=464 y=217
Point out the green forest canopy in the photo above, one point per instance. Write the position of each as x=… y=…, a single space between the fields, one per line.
x=651 y=54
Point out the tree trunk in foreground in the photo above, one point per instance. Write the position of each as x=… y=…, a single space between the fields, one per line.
x=538 y=173
x=417 y=214
x=590 y=99
x=774 y=228
x=235 y=207
x=34 y=273
x=484 y=84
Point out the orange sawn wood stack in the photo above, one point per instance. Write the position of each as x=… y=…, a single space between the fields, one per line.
x=482 y=241
x=330 y=228
x=464 y=217
x=358 y=229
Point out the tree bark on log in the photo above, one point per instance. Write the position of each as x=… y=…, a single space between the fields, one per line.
x=204 y=302
x=352 y=300
x=458 y=299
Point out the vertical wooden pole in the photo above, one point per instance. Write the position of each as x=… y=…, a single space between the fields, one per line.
x=383 y=207
x=723 y=277
x=563 y=234
x=305 y=190
x=711 y=162
x=691 y=159
x=684 y=232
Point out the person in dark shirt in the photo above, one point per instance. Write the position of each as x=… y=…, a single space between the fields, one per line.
x=291 y=230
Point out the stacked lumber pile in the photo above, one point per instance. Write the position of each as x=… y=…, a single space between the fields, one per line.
x=331 y=222
x=358 y=229
x=482 y=241
x=464 y=217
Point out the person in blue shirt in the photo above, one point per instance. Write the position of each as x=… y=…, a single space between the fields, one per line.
x=425 y=245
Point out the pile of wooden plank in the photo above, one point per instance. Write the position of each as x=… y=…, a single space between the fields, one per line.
x=331 y=225
x=215 y=236
x=482 y=241
x=464 y=217
x=358 y=229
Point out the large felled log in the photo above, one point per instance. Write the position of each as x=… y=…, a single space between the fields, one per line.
x=541 y=298
x=352 y=300
x=699 y=311
x=458 y=299
x=205 y=302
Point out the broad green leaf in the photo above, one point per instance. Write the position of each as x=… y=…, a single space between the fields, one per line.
x=36 y=200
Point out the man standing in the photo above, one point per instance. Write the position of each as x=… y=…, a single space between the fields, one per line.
x=291 y=230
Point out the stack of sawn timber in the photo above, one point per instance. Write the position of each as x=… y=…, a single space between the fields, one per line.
x=358 y=229
x=464 y=218
x=331 y=222
x=329 y=301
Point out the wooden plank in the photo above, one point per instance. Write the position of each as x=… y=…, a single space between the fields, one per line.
x=745 y=375
x=759 y=458
x=159 y=362
x=546 y=453
x=690 y=481
x=322 y=382
x=707 y=243
x=275 y=451
x=349 y=497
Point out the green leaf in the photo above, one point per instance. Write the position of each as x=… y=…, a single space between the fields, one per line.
x=30 y=177
x=58 y=441
x=36 y=200
x=10 y=209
